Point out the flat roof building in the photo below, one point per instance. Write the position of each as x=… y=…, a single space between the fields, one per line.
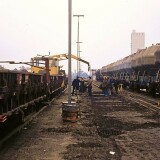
x=137 y=41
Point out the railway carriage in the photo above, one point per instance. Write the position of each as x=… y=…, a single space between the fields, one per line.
x=139 y=71
x=23 y=93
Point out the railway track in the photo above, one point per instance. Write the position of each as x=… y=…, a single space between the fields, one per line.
x=109 y=128
x=142 y=100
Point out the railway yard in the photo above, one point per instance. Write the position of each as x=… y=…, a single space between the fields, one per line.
x=115 y=127
x=107 y=108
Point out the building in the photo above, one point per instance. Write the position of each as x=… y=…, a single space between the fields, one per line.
x=137 y=41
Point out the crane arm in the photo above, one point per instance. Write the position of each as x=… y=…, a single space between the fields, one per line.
x=65 y=56
x=79 y=59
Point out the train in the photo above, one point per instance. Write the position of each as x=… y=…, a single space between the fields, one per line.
x=139 y=71
x=24 y=93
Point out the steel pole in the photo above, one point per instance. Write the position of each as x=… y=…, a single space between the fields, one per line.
x=78 y=67
x=78 y=47
x=69 y=49
x=79 y=61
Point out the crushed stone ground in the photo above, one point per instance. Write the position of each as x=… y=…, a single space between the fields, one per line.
x=110 y=128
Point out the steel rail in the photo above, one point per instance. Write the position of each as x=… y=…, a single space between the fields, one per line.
x=144 y=101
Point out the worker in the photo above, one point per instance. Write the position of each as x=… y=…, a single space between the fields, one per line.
x=105 y=86
x=81 y=87
x=89 y=86
x=75 y=85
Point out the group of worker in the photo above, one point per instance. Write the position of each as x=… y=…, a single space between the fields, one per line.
x=81 y=85
x=108 y=85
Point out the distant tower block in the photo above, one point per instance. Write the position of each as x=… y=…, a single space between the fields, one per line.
x=137 y=41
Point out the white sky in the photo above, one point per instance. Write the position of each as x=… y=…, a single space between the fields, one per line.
x=31 y=27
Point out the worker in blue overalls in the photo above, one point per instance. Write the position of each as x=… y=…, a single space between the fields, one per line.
x=75 y=85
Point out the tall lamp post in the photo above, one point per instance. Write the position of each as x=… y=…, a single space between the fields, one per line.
x=68 y=108
x=69 y=48
x=79 y=62
x=78 y=41
x=78 y=56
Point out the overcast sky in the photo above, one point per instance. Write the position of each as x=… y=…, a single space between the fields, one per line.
x=31 y=27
